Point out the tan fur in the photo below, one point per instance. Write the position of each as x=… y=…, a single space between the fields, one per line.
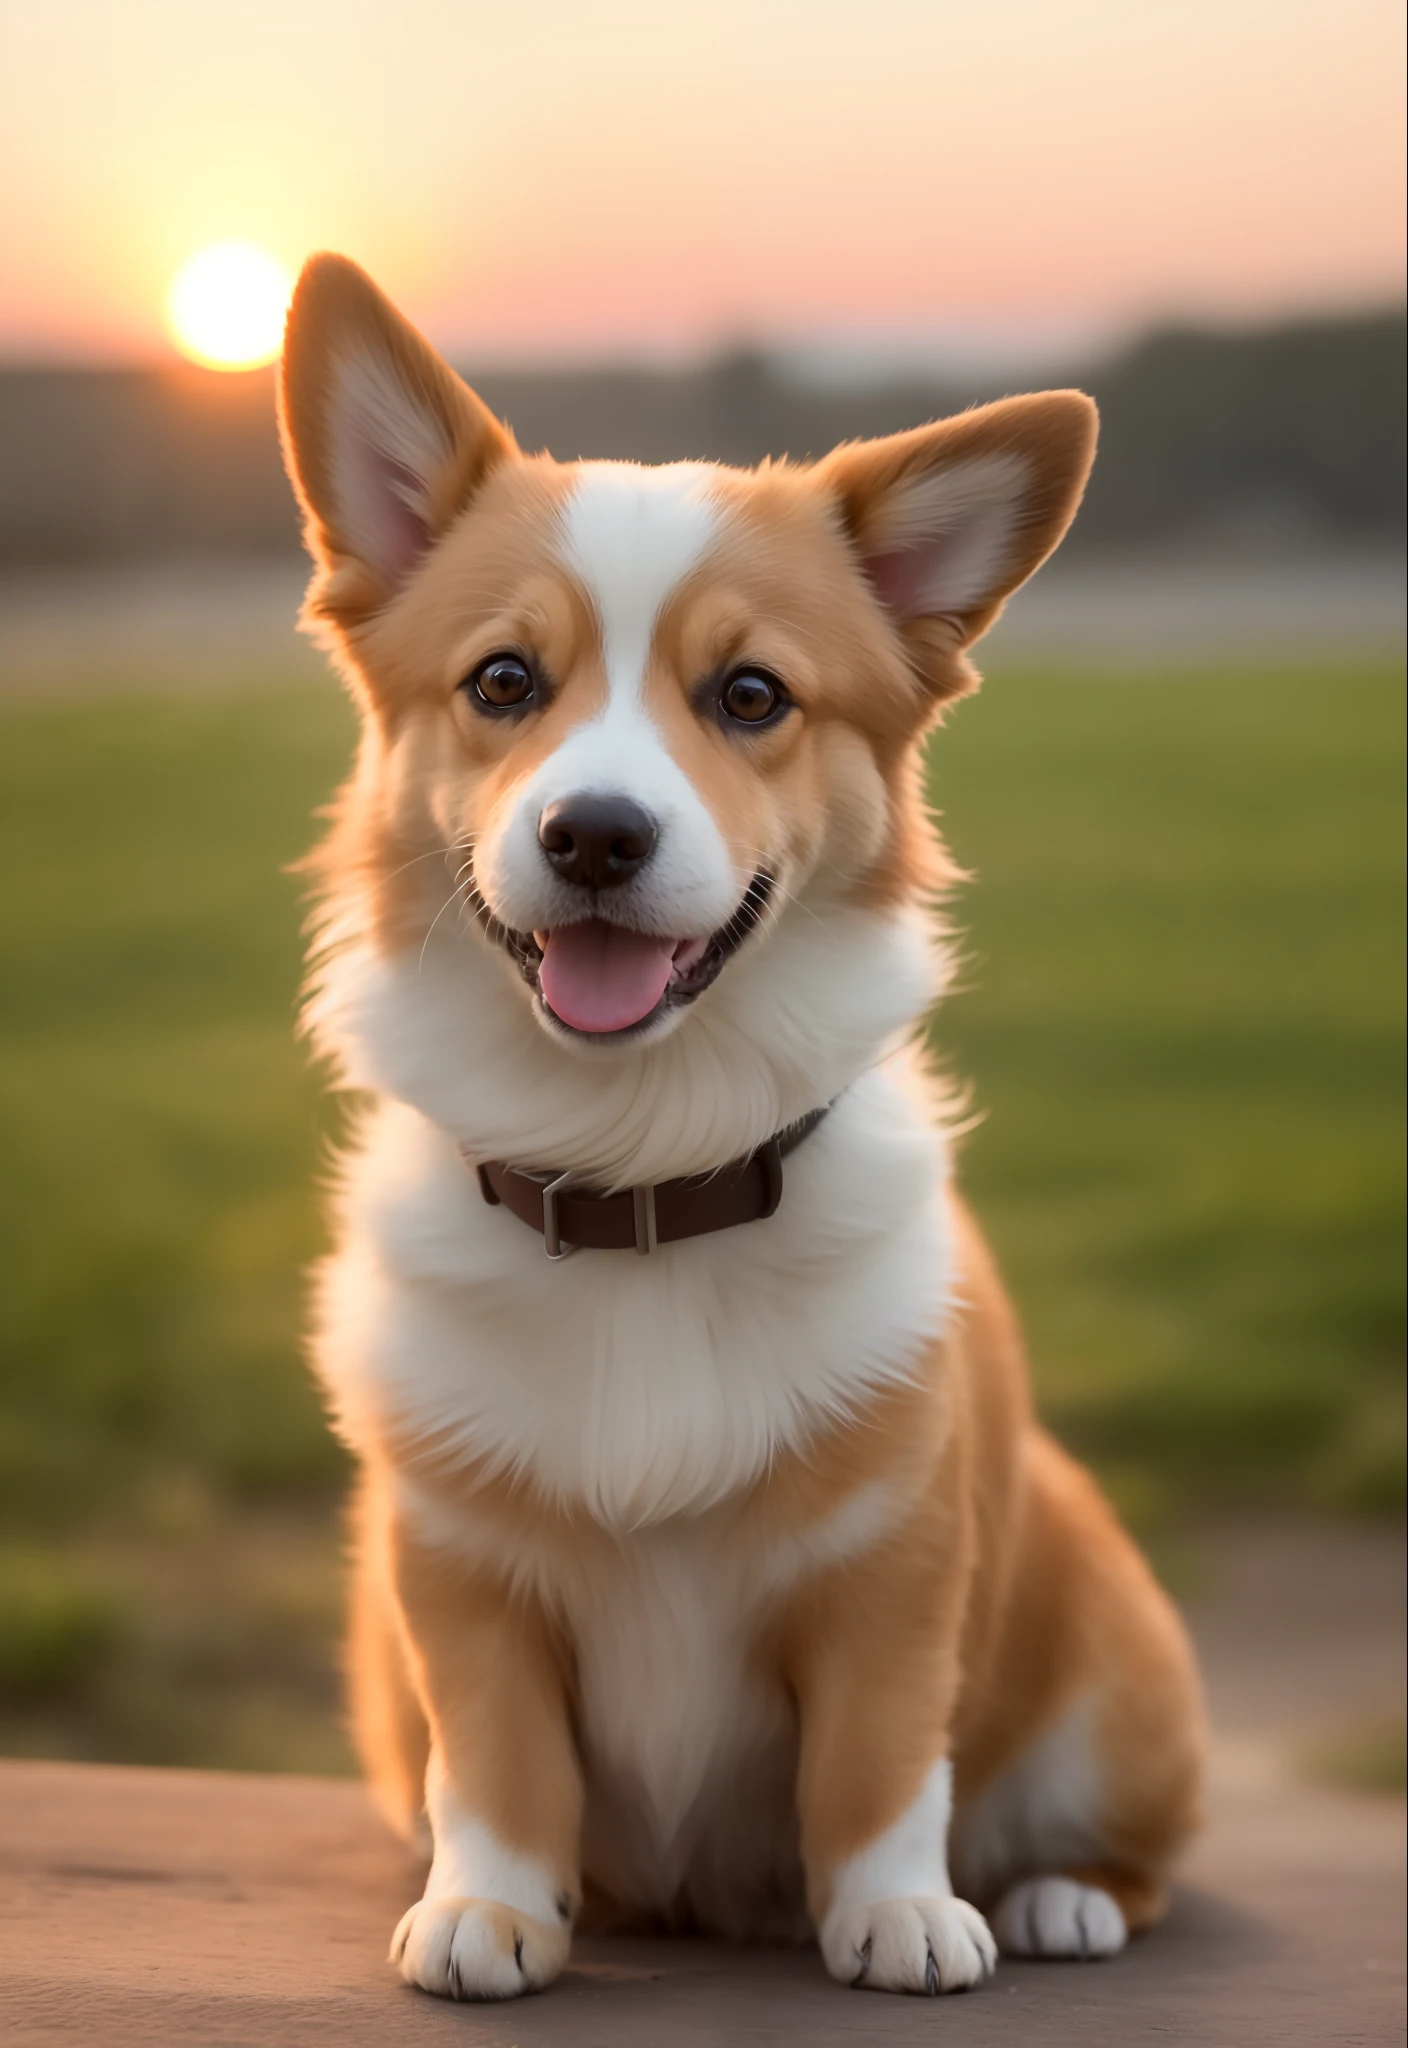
x=388 y=1721
x=1004 y=1589
x=1007 y=1590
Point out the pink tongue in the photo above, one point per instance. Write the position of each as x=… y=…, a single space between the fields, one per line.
x=597 y=977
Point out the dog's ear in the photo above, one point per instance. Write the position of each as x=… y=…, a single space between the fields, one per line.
x=383 y=442
x=949 y=519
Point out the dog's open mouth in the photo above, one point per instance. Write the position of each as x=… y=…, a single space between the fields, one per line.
x=602 y=979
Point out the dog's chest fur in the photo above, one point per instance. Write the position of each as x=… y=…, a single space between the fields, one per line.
x=688 y=1744
x=633 y=1390
x=686 y=1733
x=647 y=1400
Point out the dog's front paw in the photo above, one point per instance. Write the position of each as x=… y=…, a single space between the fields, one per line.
x=476 y=1948
x=924 y=1945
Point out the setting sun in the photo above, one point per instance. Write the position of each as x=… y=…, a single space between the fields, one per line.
x=226 y=306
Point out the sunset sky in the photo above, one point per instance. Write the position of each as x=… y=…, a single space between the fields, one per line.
x=549 y=178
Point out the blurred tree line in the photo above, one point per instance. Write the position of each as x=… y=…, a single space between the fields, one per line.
x=1247 y=438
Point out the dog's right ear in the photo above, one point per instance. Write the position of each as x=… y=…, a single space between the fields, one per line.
x=383 y=442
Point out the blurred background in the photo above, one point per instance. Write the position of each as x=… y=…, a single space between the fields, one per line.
x=720 y=230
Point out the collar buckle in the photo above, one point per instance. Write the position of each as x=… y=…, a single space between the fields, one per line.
x=553 y=1242
x=643 y=1216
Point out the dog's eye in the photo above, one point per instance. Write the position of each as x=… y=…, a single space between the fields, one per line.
x=502 y=683
x=752 y=697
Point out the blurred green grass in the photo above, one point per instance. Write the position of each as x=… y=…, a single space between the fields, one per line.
x=1184 y=1024
x=1368 y=1756
x=1181 y=1016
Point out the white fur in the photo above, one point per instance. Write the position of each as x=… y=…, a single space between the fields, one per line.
x=651 y=1393
x=919 y=1944
x=632 y=534
x=1056 y=1916
x=688 y=1746
x=647 y=1395
x=706 y=1545
x=449 y=1942
x=635 y=1389
x=960 y=523
x=789 y=1024
x=909 y=1858
x=453 y=1948
x=629 y=536
x=892 y=1922
x=690 y=1753
x=472 y=1863
x=387 y=449
x=1043 y=1812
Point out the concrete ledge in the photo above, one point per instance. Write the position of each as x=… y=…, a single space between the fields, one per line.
x=178 y=1907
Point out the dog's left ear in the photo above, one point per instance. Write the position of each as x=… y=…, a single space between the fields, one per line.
x=949 y=519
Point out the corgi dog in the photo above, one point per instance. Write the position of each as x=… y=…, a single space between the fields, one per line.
x=711 y=1571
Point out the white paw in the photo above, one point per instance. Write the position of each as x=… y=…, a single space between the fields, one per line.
x=476 y=1948
x=1056 y=1916
x=924 y=1945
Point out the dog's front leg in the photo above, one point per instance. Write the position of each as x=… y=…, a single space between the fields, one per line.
x=503 y=1789
x=874 y=1685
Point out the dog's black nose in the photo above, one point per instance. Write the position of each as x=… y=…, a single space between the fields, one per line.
x=597 y=841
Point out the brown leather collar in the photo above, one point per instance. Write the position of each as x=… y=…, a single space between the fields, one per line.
x=637 y=1219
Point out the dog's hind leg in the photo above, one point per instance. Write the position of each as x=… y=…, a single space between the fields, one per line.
x=388 y=1722
x=1066 y=1837
x=1082 y=1913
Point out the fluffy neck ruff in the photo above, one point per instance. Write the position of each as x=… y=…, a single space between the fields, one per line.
x=797 y=1016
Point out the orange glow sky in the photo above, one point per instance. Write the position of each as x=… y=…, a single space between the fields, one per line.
x=559 y=177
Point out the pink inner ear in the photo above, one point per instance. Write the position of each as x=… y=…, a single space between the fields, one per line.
x=899 y=578
x=947 y=542
x=399 y=536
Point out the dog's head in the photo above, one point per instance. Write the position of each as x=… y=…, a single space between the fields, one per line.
x=642 y=712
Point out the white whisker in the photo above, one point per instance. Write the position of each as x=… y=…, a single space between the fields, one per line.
x=455 y=896
x=433 y=853
x=761 y=854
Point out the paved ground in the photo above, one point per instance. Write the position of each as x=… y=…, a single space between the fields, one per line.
x=180 y=1908
x=210 y=622
x=1299 y=1625
x=1145 y=610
